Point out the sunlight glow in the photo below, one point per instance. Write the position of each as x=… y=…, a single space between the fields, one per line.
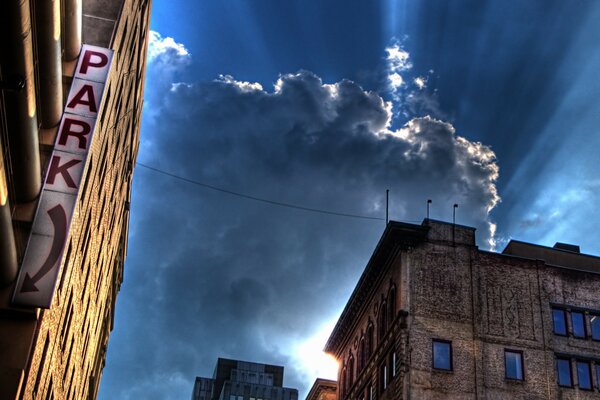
x=311 y=358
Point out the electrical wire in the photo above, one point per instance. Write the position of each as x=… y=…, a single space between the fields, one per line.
x=263 y=200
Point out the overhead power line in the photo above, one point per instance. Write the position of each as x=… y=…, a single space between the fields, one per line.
x=249 y=197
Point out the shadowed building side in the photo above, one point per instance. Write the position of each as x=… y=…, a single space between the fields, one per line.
x=58 y=351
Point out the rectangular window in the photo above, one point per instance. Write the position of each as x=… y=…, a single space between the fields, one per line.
x=560 y=321
x=442 y=355
x=513 y=364
x=563 y=371
x=595 y=324
x=371 y=393
x=383 y=377
x=578 y=324
x=393 y=365
x=584 y=375
x=597 y=367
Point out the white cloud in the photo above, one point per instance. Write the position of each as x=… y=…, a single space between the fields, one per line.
x=159 y=46
x=259 y=271
x=420 y=82
x=242 y=86
x=398 y=61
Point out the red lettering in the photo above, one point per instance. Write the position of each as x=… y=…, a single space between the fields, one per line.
x=67 y=130
x=86 y=91
x=56 y=168
x=102 y=60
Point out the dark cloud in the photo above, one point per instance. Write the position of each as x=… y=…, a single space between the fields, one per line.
x=210 y=274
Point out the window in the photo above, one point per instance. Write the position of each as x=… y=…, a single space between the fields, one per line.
x=442 y=355
x=344 y=381
x=584 y=375
x=383 y=377
x=361 y=355
x=563 y=371
x=578 y=324
x=392 y=305
x=382 y=321
x=513 y=364
x=595 y=325
x=560 y=321
x=392 y=365
x=351 y=371
x=598 y=374
x=370 y=343
x=371 y=393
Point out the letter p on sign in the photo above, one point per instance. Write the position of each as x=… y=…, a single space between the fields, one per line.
x=94 y=63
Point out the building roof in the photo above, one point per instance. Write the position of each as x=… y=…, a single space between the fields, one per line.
x=561 y=255
x=321 y=386
x=396 y=234
x=403 y=235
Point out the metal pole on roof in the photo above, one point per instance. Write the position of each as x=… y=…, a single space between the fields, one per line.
x=387 y=202
x=428 y=203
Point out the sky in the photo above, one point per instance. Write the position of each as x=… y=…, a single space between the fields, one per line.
x=271 y=131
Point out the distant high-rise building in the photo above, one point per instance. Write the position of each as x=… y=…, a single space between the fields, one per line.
x=435 y=317
x=71 y=79
x=241 y=380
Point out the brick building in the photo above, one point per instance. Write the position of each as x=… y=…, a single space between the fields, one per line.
x=434 y=317
x=61 y=267
x=323 y=389
x=241 y=380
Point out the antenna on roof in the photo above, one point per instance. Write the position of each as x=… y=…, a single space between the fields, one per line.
x=387 y=202
x=454 y=223
x=454 y=213
x=428 y=203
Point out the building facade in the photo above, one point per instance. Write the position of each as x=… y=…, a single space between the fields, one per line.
x=241 y=380
x=434 y=317
x=57 y=350
x=323 y=389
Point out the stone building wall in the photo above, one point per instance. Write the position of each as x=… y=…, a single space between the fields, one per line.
x=69 y=346
x=484 y=303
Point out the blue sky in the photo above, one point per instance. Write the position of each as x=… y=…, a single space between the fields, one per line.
x=494 y=106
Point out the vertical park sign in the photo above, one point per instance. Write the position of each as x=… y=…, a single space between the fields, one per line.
x=39 y=271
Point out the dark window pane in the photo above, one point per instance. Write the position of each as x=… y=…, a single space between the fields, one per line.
x=583 y=375
x=442 y=355
x=595 y=323
x=514 y=365
x=563 y=369
x=598 y=374
x=560 y=324
x=578 y=322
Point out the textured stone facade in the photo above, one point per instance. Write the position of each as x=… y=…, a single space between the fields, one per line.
x=59 y=353
x=482 y=303
x=323 y=389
